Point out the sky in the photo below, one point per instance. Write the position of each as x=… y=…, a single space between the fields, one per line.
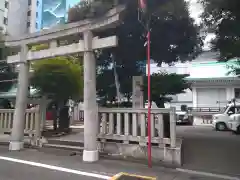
x=72 y=2
x=196 y=10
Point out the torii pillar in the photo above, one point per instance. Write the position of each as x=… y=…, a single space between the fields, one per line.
x=17 y=26
x=91 y=125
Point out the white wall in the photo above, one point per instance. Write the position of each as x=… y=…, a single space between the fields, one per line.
x=3 y=13
x=204 y=66
x=229 y=94
x=187 y=67
x=33 y=17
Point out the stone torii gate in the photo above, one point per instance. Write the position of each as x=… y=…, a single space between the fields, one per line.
x=18 y=37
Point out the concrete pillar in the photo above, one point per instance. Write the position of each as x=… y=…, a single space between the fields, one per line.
x=194 y=94
x=230 y=93
x=17 y=135
x=17 y=26
x=42 y=111
x=137 y=98
x=53 y=44
x=91 y=125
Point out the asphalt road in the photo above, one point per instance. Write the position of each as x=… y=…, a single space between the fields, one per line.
x=15 y=171
x=205 y=149
x=33 y=164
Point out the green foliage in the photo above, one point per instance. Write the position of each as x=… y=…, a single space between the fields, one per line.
x=163 y=84
x=39 y=47
x=174 y=37
x=59 y=77
x=84 y=9
x=106 y=86
x=222 y=17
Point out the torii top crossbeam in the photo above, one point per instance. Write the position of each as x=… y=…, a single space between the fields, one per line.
x=110 y=20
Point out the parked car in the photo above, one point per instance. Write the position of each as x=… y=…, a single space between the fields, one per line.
x=234 y=123
x=220 y=122
x=184 y=118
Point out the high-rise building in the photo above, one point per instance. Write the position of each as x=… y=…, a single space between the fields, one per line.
x=3 y=15
x=32 y=15
x=51 y=13
x=42 y=14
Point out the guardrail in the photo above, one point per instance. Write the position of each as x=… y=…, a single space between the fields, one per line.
x=204 y=109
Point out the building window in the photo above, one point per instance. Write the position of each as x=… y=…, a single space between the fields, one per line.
x=37 y=3
x=28 y=24
x=29 y=13
x=6 y=4
x=29 y=2
x=237 y=93
x=5 y=21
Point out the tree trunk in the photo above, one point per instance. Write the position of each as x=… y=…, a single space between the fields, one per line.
x=64 y=120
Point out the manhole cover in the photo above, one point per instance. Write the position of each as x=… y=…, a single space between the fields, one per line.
x=125 y=176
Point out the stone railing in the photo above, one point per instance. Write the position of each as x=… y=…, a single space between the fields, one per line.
x=32 y=125
x=123 y=133
x=127 y=125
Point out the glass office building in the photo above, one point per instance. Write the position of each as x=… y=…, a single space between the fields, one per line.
x=53 y=12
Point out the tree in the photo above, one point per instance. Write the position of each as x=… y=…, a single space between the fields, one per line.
x=174 y=37
x=59 y=78
x=164 y=85
x=222 y=17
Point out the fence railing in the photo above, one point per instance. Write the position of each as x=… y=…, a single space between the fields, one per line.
x=128 y=125
x=31 y=121
x=204 y=109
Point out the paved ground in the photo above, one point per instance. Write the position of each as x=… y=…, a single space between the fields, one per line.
x=207 y=150
x=32 y=164
x=203 y=149
x=16 y=171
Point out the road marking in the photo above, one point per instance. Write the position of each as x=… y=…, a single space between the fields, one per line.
x=119 y=175
x=207 y=174
x=57 y=168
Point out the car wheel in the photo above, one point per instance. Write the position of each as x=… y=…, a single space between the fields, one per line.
x=238 y=130
x=221 y=127
x=190 y=122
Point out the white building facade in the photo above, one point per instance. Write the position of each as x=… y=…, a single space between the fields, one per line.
x=211 y=83
x=3 y=14
x=32 y=15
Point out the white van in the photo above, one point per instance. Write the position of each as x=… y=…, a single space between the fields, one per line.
x=221 y=121
x=234 y=123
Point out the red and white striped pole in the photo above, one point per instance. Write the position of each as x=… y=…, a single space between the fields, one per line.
x=143 y=7
x=149 y=102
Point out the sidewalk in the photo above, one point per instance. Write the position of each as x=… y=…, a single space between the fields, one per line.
x=103 y=167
